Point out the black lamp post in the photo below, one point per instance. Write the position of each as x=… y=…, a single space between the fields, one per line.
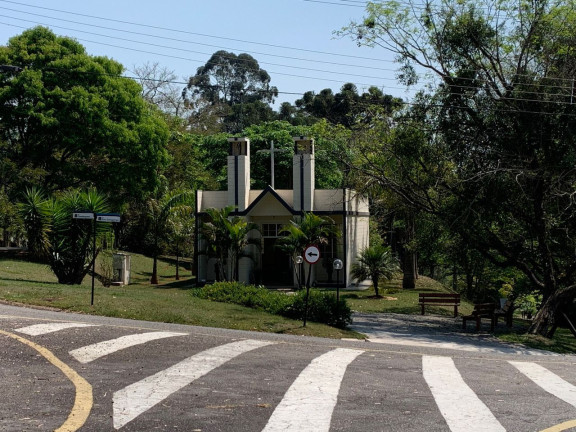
x=299 y=260
x=337 y=265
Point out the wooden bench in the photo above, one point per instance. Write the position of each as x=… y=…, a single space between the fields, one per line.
x=481 y=310
x=439 y=299
x=506 y=312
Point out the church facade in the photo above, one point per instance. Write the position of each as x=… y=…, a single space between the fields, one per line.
x=272 y=209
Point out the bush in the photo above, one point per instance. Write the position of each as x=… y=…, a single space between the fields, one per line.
x=322 y=307
x=256 y=297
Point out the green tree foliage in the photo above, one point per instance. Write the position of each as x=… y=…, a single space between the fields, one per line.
x=236 y=86
x=493 y=144
x=65 y=243
x=34 y=213
x=213 y=149
x=375 y=262
x=347 y=107
x=10 y=223
x=70 y=120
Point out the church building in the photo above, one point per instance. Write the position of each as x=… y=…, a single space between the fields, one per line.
x=272 y=209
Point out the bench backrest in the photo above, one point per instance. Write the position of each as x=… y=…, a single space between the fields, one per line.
x=439 y=297
x=484 y=308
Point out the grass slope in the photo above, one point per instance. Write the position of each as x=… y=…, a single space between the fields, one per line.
x=171 y=301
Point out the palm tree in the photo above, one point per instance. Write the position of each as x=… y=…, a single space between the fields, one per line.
x=238 y=230
x=65 y=243
x=180 y=233
x=160 y=209
x=226 y=238
x=311 y=229
x=375 y=262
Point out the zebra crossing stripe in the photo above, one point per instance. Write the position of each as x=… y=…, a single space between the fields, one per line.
x=137 y=398
x=547 y=380
x=461 y=408
x=309 y=402
x=90 y=353
x=40 y=329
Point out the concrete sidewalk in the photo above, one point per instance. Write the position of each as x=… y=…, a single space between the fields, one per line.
x=433 y=332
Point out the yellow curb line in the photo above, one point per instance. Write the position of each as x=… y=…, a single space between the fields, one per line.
x=561 y=427
x=83 y=401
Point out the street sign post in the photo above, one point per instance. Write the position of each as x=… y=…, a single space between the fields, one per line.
x=96 y=217
x=83 y=215
x=108 y=217
x=312 y=256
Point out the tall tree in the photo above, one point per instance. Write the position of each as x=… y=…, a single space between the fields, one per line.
x=159 y=87
x=68 y=119
x=502 y=123
x=237 y=83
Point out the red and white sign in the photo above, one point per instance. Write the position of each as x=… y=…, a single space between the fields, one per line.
x=311 y=254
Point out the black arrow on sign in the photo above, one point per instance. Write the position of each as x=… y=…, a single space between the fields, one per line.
x=312 y=254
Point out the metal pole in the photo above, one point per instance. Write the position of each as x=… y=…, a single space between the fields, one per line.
x=307 y=294
x=93 y=260
x=337 y=287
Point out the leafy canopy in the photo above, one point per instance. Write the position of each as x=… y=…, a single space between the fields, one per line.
x=71 y=120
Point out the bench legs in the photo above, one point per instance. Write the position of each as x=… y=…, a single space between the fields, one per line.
x=478 y=321
x=455 y=309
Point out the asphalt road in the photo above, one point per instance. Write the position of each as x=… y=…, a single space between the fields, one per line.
x=61 y=371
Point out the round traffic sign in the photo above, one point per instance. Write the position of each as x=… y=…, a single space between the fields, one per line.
x=311 y=254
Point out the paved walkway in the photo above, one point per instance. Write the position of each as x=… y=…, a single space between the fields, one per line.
x=432 y=331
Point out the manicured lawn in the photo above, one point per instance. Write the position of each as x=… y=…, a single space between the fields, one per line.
x=170 y=301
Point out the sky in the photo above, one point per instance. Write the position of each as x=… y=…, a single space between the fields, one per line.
x=292 y=40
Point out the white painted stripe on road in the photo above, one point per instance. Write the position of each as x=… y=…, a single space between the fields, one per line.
x=549 y=381
x=137 y=398
x=460 y=406
x=90 y=353
x=308 y=404
x=40 y=329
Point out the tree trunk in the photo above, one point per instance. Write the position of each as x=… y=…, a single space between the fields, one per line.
x=408 y=269
x=546 y=320
x=154 y=278
x=408 y=255
x=177 y=264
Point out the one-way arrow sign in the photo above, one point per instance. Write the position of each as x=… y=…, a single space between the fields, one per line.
x=311 y=254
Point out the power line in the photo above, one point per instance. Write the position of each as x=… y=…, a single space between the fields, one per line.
x=198 y=34
x=208 y=54
x=195 y=52
x=367 y=104
x=316 y=60
x=202 y=53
